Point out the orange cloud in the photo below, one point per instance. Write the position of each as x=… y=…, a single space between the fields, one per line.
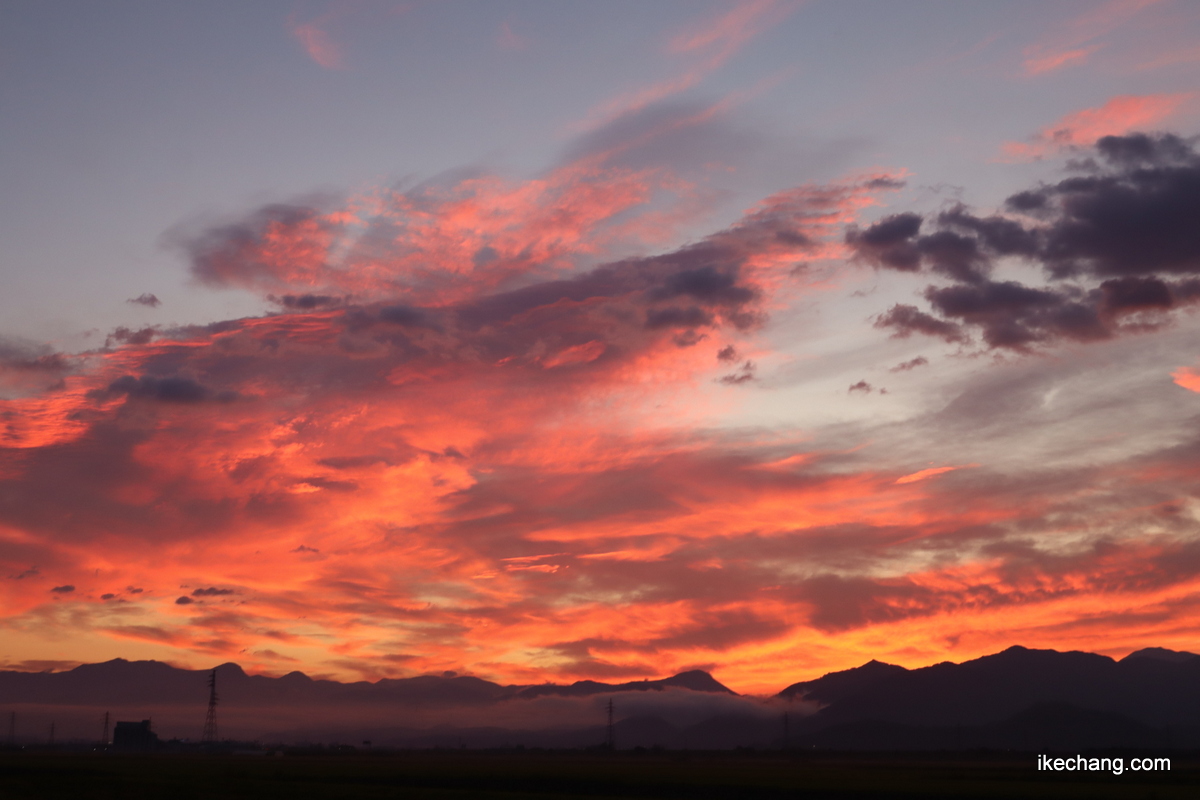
x=467 y=439
x=372 y=470
x=1187 y=378
x=921 y=475
x=1053 y=61
x=1119 y=115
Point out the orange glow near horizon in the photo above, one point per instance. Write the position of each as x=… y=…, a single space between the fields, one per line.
x=470 y=448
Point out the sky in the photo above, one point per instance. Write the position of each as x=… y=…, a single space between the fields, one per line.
x=548 y=341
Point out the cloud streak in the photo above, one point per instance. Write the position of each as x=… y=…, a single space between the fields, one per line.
x=1074 y=42
x=709 y=44
x=1082 y=129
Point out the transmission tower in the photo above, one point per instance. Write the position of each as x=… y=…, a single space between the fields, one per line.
x=612 y=738
x=210 y=720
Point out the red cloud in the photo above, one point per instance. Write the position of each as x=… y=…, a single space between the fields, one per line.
x=457 y=376
x=473 y=441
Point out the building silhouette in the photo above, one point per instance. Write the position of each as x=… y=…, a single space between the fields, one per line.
x=134 y=736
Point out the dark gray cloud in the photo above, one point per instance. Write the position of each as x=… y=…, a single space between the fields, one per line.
x=906 y=320
x=171 y=389
x=305 y=302
x=123 y=335
x=404 y=315
x=1103 y=240
x=26 y=368
x=676 y=317
x=744 y=374
x=1012 y=315
x=211 y=591
x=17 y=356
x=145 y=299
x=911 y=364
x=889 y=242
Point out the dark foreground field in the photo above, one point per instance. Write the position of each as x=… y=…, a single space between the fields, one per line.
x=553 y=776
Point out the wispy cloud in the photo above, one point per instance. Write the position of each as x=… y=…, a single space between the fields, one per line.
x=314 y=36
x=708 y=45
x=1075 y=42
x=1119 y=115
x=925 y=474
x=508 y=39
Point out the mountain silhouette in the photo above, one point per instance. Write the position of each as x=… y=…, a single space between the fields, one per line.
x=694 y=680
x=1162 y=654
x=835 y=686
x=1155 y=688
x=1020 y=698
x=153 y=682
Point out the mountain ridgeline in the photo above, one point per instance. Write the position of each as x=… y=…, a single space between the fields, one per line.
x=155 y=683
x=1016 y=699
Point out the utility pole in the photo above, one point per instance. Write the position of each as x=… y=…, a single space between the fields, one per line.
x=612 y=738
x=210 y=720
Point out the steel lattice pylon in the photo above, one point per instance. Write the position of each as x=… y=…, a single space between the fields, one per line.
x=210 y=719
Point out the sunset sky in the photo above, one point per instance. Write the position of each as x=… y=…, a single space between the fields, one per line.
x=547 y=341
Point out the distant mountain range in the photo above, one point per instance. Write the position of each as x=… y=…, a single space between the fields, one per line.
x=155 y=683
x=1016 y=699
